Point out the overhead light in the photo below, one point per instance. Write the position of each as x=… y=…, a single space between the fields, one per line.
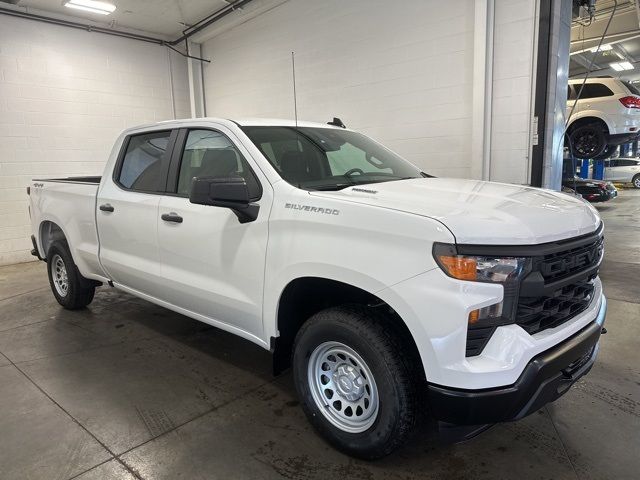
x=620 y=66
x=603 y=48
x=93 y=6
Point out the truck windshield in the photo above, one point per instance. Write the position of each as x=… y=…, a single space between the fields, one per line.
x=328 y=158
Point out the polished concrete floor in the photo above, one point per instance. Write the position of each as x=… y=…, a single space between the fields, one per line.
x=125 y=389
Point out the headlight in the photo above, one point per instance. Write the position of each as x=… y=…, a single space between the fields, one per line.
x=478 y=268
x=506 y=271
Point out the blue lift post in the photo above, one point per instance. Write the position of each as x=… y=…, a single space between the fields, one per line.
x=584 y=168
x=598 y=169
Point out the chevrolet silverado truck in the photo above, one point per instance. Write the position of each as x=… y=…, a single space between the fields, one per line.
x=390 y=293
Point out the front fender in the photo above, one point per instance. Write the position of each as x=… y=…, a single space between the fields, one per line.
x=349 y=247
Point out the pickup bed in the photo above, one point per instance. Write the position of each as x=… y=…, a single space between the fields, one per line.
x=387 y=291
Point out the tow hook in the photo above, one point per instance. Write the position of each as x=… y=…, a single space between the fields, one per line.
x=603 y=331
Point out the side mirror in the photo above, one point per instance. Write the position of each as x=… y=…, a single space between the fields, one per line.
x=230 y=192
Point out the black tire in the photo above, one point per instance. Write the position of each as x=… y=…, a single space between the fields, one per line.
x=79 y=291
x=636 y=181
x=588 y=141
x=606 y=153
x=393 y=368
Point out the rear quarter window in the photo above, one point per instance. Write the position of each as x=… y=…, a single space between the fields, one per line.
x=631 y=87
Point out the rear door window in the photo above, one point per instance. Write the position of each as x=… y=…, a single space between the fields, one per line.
x=594 y=90
x=143 y=166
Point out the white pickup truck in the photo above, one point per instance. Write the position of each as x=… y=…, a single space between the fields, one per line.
x=389 y=292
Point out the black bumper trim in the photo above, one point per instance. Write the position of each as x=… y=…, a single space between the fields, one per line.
x=545 y=378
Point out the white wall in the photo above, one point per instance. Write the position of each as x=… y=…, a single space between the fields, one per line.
x=65 y=95
x=400 y=72
x=513 y=60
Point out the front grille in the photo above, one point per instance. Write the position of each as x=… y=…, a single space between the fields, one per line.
x=535 y=314
x=558 y=286
x=556 y=266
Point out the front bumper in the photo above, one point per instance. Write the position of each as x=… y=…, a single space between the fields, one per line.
x=545 y=378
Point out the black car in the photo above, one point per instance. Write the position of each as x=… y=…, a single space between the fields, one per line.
x=591 y=190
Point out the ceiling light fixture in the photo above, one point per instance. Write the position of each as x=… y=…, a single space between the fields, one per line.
x=93 y=6
x=620 y=66
x=603 y=48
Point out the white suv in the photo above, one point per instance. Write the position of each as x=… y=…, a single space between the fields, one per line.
x=606 y=115
x=624 y=170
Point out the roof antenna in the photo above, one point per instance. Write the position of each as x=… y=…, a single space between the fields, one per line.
x=295 y=100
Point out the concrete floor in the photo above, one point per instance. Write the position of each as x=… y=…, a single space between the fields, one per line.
x=125 y=389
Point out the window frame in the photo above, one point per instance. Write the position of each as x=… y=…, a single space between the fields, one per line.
x=173 y=176
x=164 y=162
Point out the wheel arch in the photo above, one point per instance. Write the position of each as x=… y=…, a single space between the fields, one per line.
x=49 y=232
x=302 y=297
x=587 y=117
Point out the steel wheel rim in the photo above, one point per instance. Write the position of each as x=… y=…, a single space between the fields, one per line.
x=59 y=275
x=343 y=387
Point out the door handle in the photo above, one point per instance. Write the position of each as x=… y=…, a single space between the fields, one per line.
x=106 y=207
x=171 y=217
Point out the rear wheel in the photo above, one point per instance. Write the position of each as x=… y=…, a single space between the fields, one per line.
x=636 y=181
x=70 y=289
x=587 y=141
x=356 y=381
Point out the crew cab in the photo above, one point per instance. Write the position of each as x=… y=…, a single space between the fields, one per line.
x=389 y=292
x=602 y=114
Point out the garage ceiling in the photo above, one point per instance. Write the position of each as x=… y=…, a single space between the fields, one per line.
x=161 y=17
x=622 y=37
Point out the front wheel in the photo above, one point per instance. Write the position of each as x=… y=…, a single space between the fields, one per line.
x=636 y=181
x=70 y=289
x=356 y=381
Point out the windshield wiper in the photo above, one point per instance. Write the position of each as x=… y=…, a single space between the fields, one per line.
x=328 y=187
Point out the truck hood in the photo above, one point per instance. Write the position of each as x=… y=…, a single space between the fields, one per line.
x=478 y=212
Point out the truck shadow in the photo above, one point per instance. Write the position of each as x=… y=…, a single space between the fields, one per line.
x=275 y=431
